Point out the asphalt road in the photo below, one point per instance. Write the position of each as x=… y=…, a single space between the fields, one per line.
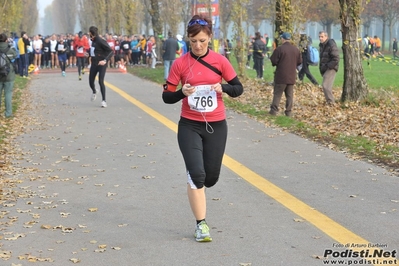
x=107 y=186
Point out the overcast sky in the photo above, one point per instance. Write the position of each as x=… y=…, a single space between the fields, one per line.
x=42 y=4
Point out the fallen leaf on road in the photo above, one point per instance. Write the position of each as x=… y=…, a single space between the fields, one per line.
x=74 y=260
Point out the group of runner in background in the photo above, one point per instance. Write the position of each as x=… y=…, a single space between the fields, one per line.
x=48 y=52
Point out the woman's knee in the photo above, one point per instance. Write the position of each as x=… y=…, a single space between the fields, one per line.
x=211 y=181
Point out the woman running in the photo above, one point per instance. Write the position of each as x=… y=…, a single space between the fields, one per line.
x=202 y=130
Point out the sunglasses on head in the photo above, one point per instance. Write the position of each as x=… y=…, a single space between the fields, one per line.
x=198 y=21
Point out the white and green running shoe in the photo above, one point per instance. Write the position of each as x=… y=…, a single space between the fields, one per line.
x=202 y=233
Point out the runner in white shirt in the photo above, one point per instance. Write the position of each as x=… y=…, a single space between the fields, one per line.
x=37 y=50
x=54 y=57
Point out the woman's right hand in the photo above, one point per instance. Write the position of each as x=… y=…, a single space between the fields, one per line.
x=188 y=89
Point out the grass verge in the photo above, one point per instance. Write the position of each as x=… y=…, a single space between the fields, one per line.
x=354 y=144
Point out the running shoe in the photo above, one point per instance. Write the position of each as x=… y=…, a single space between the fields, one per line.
x=103 y=104
x=63 y=73
x=83 y=71
x=202 y=233
x=93 y=97
x=80 y=77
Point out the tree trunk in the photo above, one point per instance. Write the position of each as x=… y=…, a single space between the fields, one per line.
x=157 y=25
x=355 y=86
x=283 y=22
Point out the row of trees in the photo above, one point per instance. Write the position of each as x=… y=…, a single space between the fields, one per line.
x=18 y=15
x=135 y=16
x=158 y=17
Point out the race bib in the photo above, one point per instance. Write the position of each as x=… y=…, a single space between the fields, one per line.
x=203 y=99
x=92 y=52
x=60 y=47
x=126 y=46
x=80 y=50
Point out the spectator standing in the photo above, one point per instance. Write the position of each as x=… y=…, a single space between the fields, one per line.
x=258 y=55
x=54 y=57
x=125 y=46
x=111 y=43
x=329 y=62
x=169 y=48
x=7 y=82
x=228 y=48
x=366 y=45
x=17 y=60
x=395 y=47
x=148 y=52
x=222 y=45
x=72 y=52
x=377 y=49
x=143 y=43
x=286 y=58
x=371 y=46
x=134 y=46
x=23 y=44
x=304 y=43
x=38 y=50
x=267 y=39
x=46 y=56
x=182 y=44
x=250 y=47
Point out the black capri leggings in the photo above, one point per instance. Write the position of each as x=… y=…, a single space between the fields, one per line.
x=94 y=69
x=202 y=151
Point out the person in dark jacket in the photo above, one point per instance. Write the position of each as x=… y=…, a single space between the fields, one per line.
x=7 y=82
x=329 y=61
x=395 y=48
x=286 y=58
x=62 y=49
x=258 y=55
x=102 y=53
x=303 y=47
x=169 y=48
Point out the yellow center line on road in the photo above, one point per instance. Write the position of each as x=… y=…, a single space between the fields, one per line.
x=331 y=228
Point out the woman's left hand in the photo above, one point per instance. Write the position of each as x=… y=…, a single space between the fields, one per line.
x=217 y=87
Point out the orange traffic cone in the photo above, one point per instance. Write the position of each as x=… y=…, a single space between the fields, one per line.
x=122 y=68
x=36 y=71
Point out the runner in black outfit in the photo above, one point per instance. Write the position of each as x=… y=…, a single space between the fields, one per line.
x=102 y=52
